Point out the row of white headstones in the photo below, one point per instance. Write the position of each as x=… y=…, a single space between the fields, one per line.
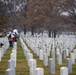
x=34 y=70
x=12 y=62
x=5 y=46
x=45 y=51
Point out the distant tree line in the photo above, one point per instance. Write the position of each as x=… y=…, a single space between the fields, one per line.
x=11 y=14
x=52 y=15
x=38 y=15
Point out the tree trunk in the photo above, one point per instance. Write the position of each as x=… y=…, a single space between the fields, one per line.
x=55 y=33
x=49 y=33
x=32 y=30
x=25 y=29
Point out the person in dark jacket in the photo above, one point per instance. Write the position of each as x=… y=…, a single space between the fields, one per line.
x=10 y=40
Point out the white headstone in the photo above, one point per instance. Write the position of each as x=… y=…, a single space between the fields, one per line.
x=59 y=59
x=75 y=53
x=45 y=59
x=67 y=52
x=10 y=72
x=32 y=66
x=57 y=51
x=11 y=64
x=73 y=58
x=63 y=71
x=30 y=56
x=0 y=54
x=51 y=66
x=39 y=71
x=48 y=51
x=64 y=52
x=27 y=51
x=37 y=52
x=69 y=65
x=13 y=57
x=41 y=55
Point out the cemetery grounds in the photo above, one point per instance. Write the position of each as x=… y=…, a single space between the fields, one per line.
x=22 y=67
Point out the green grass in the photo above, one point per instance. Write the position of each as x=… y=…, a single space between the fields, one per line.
x=4 y=62
x=46 y=68
x=22 y=67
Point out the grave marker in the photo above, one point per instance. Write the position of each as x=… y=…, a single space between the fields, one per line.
x=51 y=66
x=69 y=65
x=32 y=66
x=39 y=71
x=63 y=71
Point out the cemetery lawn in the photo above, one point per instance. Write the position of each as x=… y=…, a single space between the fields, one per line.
x=22 y=65
x=57 y=67
x=4 y=62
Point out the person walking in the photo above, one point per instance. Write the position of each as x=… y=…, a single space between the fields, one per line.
x=10 y=40
x=14 y=39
